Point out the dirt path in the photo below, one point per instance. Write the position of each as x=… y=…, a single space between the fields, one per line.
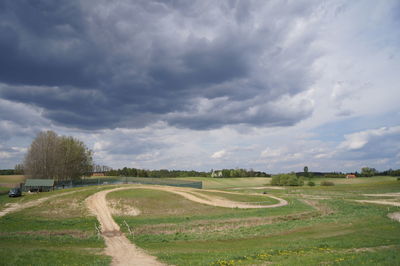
x=196 y=196
x=383 y=202
x=394 y=194
x=13 y=207
x=268 y=187
x=122 y=251
x=394 y=215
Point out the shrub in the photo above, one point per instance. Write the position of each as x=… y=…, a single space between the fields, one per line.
x=287 y=180
x=311 y=183
x=327 y=183
x=398 y=179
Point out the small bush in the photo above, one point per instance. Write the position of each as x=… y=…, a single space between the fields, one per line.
x=287 y=180
x=327 y=183
x=311 y=183
x=398 y=179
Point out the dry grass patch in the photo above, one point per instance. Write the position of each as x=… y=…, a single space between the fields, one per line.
x=207 y=226
x=73 y=233
x=122 y=208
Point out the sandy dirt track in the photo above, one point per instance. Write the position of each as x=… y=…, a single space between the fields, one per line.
x=265 y=187
x=394 y=215
x=196 y=196
x=13 y=207
x=122 y=251
x=383 y=202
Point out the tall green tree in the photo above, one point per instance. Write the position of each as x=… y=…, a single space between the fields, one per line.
x=367 y=171
x=306 y=171
x=57 y=157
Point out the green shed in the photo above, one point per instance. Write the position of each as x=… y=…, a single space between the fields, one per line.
x=39 y=185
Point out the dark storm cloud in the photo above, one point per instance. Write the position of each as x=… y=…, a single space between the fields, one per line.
x=203 y=64
x=46 y=43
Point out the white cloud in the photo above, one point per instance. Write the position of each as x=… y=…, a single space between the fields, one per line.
x=219 y=154
x=272 y=153
x=358 y=140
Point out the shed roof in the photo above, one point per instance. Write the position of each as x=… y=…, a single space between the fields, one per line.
x=39 y=182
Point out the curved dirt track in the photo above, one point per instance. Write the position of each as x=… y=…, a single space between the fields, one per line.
x=382 y=202
x=196 y=196
x=19 y=206
x=394 y=215
x=122 y=251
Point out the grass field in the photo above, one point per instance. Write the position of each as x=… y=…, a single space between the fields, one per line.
x=57 y=232
x=224 y=183
x=320 y=226
x=11 y=179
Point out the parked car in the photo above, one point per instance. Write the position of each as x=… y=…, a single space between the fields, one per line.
x=15 y=192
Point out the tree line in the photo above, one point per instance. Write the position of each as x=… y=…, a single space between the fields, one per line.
x=365 y=172
x=155 y=173
x=182 y=173
x=64 y=158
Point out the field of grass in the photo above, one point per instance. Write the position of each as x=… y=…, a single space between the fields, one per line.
x=57 y=232
x=223 y=183
x=335 y=231
x=11 y=179
x=320 y=226
x=241 y=197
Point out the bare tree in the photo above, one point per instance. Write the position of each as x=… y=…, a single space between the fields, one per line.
x=57 y=157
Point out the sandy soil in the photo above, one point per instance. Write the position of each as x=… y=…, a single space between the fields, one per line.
x=395 y=216
x=396 y=194
x=122 y=251
x=19 y=206
x=196 y=196
x=383 y=202
x=269 y=187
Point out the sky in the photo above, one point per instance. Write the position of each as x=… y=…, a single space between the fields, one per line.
x=172 y=84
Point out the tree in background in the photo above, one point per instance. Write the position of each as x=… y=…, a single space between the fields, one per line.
x=367 y=171
x=57 y=157
x=306 y=171
x=19 y=169
x=287 y=180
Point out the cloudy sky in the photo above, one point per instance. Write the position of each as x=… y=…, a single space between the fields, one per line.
x=269 y=85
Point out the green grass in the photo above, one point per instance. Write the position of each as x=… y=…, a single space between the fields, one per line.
x=52 y=233
x=335 y=230
x=351 y=227
x=222 y=183
x=255 y=199
x=21 y=254
x=292 y=235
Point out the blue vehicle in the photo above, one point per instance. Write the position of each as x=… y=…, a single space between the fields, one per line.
x=15 y=192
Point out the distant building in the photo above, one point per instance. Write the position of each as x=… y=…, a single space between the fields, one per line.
x=351 y=176
x=98 y=174
x=216 y=173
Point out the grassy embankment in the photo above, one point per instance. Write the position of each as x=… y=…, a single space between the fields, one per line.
x=336 y=231
x=321 y=225
x=56 y=232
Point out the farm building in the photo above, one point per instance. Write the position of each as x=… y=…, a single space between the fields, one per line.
x=98 y=174
x=216 y=173
x=351 y=176
x=39 y=185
